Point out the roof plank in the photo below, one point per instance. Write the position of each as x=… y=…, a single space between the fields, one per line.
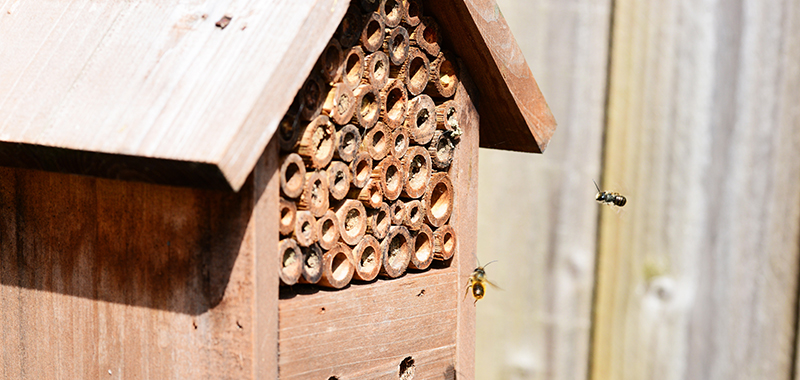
x=514 y=113
x=158 y=79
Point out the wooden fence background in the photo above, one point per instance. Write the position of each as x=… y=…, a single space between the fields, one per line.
x=692 y=110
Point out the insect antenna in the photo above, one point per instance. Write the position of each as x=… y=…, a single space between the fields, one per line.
x=598 y=187
x=487 y=264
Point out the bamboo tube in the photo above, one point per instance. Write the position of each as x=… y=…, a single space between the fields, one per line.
x=413 y=12
x=422 y=248
x=353 y=67
x=352 y=218
x=340 y=104
x=288 y=216
x=348 y=140
x=444 y=242
x=439 y=200
x=447 y=115
x=389 y=173
x=426 y=35
x=377 y=70
x=288 y=132
x=350 y=28
x=417 y=166
x=393 y=103
x=421 y=120
x=315 y=194
x=317 y=143
x=337 y=267
x=376 y=141
x=369 y=6
x=414 y=215
x=373 y=32
x=415 y=72
x=395 y=44
x=327 y=230
x=367 y=107
x=311 y=101
x=392 y=12
x=395 y=252
x=371 y=194
x=305 y=231
x=441 y=150
x=378 y=221
x=291 y=261
x=338 y=180
x=367 y=259
x=330 y=62
x=397 y=212
x=312 y=264
x=400 y=141
x=444 y=76
x=360 y=168
x=293 y=175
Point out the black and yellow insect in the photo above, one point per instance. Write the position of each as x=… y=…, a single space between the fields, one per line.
x=477 y=282
x=609 y=198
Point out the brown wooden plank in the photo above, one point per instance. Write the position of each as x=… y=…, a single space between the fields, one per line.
x=698 y=278
x=266 y=263
x=114 y=279
x=187 y=90
x=514 y=114
x=366 y=330
x=537 y=214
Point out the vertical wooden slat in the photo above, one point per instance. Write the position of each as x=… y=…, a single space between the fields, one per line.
x=537 y=213
x=697 y=279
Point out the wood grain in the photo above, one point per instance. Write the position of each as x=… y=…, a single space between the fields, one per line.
x=113 y=279
x=514 y=114
x=537 y=215
x=187 y=92
x=698 y=278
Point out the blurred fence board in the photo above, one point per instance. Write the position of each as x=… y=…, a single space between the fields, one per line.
x=697 y=279
x=543 y=227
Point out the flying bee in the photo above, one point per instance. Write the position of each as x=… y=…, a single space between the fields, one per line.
x=477 y=282
x=609 y=198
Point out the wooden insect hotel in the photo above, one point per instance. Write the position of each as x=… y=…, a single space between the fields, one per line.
x=231 y=189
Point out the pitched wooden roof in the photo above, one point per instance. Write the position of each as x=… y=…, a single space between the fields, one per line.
x=190 y=93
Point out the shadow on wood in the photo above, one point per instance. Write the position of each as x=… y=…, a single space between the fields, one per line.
x=130 y=243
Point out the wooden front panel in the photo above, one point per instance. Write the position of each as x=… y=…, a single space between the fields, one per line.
x=365 y=331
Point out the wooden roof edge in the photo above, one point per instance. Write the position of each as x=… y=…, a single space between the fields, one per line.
x=514 y=113
x=268 y=111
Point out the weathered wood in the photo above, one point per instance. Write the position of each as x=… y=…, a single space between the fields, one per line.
x=698 y=279
x=365 y=331
x=103 y=278
x=541 y=216
x=189 y=93
x=514 y=114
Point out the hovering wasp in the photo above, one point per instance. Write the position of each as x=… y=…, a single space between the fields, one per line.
x=609 y=198
x=477 y=282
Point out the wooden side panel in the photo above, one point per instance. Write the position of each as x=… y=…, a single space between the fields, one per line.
x=156 y=79
x=698 y=277
x=514 y=114
x=111 y=279
x=537 y=215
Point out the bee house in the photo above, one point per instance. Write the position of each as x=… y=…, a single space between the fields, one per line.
x=234 y=189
